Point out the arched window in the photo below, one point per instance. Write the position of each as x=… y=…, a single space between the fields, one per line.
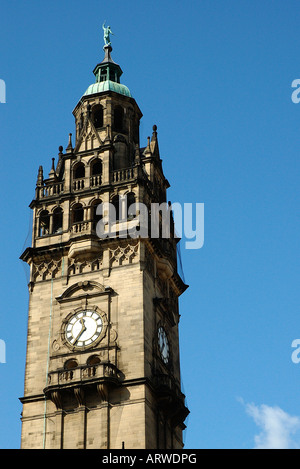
x=97 y=116
x=130 y=201
x=79 y=171
x=57 y=220
x=96 y=173
x=93 y=360
x=70 y=364
x=77 y=213
x=97 y=168
x=44 y=226
x=92 y=363
x=118 y=119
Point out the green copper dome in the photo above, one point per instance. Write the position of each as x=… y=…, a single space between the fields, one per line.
x=108 y=85
x=107 y=75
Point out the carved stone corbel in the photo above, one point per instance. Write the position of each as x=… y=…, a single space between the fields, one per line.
x=79 y=394
x=56 y=399
x=102 y=389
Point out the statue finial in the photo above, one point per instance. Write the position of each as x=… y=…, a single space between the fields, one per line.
x=106 y=32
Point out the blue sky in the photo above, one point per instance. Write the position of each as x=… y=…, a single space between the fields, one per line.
x=215 y=77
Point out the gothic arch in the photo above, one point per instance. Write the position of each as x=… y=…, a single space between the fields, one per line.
x=55 y=207
x=94 y=200
x=81 y=202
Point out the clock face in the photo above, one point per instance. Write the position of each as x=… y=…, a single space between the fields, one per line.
x=163 y=345
x=83 y=329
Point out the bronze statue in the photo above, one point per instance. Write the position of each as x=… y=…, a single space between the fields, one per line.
x=106 y=32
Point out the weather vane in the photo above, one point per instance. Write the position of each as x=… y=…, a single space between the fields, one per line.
x=106 y=32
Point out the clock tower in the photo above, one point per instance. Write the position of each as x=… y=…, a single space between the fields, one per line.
x=102 y=362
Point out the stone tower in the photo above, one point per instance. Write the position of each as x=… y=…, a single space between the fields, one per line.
x=102 y=363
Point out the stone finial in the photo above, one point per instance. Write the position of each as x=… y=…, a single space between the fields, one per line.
x=40 y=178
x=147 y=151
x=137 y=154
x=52 y=174
x=154 y=134
x=154 y=142
x=69 y=148
x=108 y=134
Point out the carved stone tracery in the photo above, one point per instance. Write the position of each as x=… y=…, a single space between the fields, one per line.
x=123 y=255
x=47 y=270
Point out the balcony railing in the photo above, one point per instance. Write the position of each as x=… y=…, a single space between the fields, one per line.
x=78 y=184
x=168 y=384
x=81 y=227
x=121 y=175
x=80 y=375
x=171 y=399
x=87 y=182
x=50 y=190
x=96 y=181
x=92 y=182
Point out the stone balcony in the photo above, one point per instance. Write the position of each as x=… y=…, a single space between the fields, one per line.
x=81 y=374
x=122 y=175
x=87 y=183
x=51 y=189
x=170 y=398
x=98 y=377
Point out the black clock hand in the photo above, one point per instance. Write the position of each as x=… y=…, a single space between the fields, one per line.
x=81 y=331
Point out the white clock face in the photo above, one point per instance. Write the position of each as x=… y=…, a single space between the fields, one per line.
x=163 y=345
x=83 y=329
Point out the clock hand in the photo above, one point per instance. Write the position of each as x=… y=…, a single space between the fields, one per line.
x=83 y=328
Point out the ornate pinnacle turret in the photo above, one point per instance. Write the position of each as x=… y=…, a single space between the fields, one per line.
x=69 y=148
x=40 y=178
x=154 y=142
x=107 y=72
